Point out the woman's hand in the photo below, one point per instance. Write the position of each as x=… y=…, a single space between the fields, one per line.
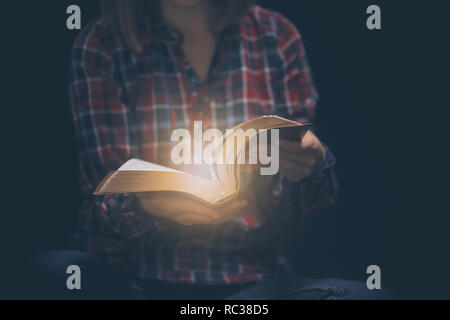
x=301 y=159
x=186 y=211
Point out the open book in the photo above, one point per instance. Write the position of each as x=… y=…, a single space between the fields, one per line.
x=137 y=176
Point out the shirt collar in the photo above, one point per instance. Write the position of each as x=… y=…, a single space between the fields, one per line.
x=165 y=32
x=162 y=30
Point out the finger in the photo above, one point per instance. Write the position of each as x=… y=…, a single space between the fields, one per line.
x=296 y=152
x=302 y=164
x=292 y=171
x=197 y=208
x=302 y=161
x=291 y=176
x=309 y=141
x=296 y=155
x=188 y=219
x=293 y=153
x=288 y=165
x=289 y=145
x=286 y=173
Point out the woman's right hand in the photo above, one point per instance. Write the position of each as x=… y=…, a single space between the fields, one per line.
x=187 y=211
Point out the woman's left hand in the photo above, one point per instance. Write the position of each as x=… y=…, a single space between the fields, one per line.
x=301 y=159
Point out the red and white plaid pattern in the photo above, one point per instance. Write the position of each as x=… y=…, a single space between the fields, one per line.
x=125 y=105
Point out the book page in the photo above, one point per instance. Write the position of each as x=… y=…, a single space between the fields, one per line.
x=228 y=173
x=141 y=165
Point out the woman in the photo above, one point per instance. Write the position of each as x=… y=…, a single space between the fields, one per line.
x=148 y=67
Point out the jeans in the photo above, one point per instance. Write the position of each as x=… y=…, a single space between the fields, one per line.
x=45 y=278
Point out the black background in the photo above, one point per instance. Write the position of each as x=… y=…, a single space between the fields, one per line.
x=379 y=113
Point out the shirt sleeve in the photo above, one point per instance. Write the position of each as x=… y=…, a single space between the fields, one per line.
x=103 y=123
x=298 y=102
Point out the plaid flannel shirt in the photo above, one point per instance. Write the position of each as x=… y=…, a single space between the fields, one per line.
x=126 y=104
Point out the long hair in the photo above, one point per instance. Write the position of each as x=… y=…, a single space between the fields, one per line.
x=130 y=12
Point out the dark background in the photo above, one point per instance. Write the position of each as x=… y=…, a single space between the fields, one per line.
x=379 y=113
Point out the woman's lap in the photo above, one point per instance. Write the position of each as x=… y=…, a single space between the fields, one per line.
x=311 y=289
x=47 y=278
